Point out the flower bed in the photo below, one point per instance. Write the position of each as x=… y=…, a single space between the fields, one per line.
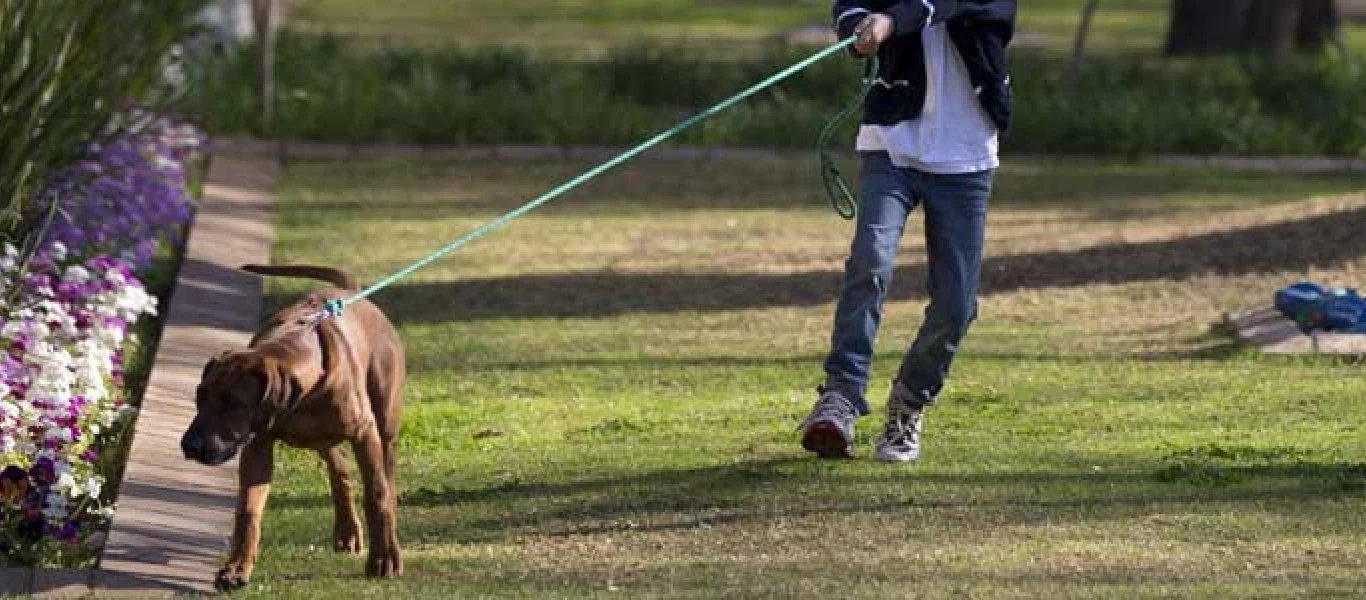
x=66 y=328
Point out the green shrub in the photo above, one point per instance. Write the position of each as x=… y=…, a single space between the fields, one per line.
x=330 y=91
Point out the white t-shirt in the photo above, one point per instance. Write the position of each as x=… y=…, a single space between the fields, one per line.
x=953 y=135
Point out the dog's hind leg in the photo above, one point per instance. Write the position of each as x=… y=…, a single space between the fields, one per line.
x=385 y=559
x=346 y=531
x=384 y=384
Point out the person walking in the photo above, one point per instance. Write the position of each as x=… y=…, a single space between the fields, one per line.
x=928 y=138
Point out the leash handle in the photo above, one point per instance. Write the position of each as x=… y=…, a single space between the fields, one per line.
x=842 y=198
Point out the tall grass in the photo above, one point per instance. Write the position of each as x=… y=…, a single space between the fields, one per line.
x=331 y=91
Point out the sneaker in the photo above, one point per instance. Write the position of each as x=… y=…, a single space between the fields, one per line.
x=829 y=429
x=900 y=439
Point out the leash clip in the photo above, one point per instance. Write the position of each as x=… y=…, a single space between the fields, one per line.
x=333 y=309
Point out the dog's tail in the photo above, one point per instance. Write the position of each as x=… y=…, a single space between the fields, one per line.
x=336 y=277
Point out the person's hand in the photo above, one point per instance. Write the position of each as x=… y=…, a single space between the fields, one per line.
x=871 y=32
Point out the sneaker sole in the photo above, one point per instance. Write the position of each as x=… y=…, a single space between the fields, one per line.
x=891 y=457
x=827 y=442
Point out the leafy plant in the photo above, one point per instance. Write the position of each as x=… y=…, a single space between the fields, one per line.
x=65 y=68
x=1124 y=105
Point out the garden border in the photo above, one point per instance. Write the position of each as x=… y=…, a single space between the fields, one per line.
x=170 y=530
x=305 y=150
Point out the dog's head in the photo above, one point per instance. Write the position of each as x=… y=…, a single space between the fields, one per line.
x=237 y=396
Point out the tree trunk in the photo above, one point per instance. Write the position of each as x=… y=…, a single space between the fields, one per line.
x=1320 y=24
x=1274 y=27
x=1271 y=25
x=1079 y=46
x=263 y=15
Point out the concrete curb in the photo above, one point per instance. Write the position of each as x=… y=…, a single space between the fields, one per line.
x=302 y=150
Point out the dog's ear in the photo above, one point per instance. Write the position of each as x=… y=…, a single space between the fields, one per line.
x=215 y=363
x=282 y=388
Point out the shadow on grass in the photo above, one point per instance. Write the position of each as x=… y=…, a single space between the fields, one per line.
x=794 y=488
x=1099 y=191
x=1217 y=350
x=835 y=577
x=1318 y=241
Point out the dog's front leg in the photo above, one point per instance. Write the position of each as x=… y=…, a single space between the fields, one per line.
x=381 y=503
x=254 y=473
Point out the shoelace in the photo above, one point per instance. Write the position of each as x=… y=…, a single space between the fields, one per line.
x=903 y=425
x=825 y=408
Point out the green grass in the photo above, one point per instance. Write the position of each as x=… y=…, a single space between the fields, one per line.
x=727 y=25
x=603 y=397
x=578 y=25
x=559 y=24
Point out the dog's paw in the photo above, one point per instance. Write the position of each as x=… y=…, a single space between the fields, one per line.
x=230 y=579
x=347 y=540
x=384 y=563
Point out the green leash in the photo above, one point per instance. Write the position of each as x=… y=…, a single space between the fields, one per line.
x=841 y=197
x=334 y=308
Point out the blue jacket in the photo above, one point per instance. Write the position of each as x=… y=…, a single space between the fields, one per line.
x=980 y=29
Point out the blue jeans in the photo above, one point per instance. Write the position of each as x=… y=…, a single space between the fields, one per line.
x=955 y=225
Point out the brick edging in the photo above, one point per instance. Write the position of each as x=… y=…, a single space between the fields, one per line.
x=304 y=150
x=174 y=516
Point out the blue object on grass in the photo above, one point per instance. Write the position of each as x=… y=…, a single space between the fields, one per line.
x=1315 y=307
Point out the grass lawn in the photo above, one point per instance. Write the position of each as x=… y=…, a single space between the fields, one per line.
x=576 y=25
x=560 y=24
x=603 y=398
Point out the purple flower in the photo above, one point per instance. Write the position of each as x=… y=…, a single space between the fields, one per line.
x=124 y=198
x=10 y=368
x=43 y=472
x=69 y=533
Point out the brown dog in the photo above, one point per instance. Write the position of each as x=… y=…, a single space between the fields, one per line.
x=313 y=384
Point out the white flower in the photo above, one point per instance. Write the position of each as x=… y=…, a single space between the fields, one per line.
x=57 y=251
x=66 y=484
x=93 y=487
x=60 y=434
x=62 y=361
x=77 y=274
